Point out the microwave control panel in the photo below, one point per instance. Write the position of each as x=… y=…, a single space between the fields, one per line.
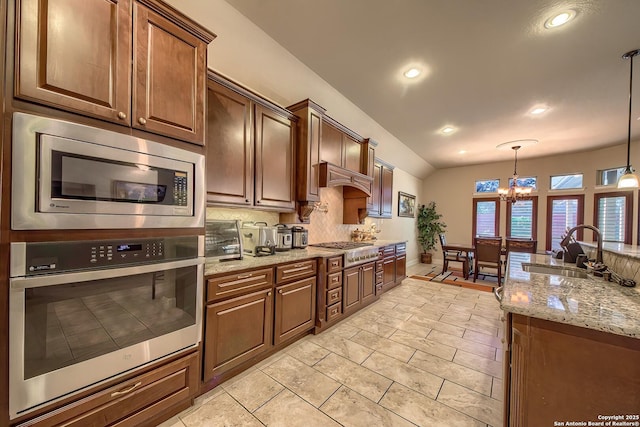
x=58 y=257
x=180 y=189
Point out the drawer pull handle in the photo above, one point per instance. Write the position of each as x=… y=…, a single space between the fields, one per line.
x=244 y=276
x=335 y=279
x=280 y=291
x=126 y=390
x=296 y=269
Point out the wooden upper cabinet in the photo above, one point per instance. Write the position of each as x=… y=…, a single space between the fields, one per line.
x=308 y=143
x=331 y=145
x=380 y=204
x=229 y=146
x=373 y=202
x=351 y=153
x=386 y=194
x=169 y=77
x=274 y=173
x=75 y=55
x=250 y=148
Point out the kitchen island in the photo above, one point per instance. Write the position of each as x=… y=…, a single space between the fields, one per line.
x=572 y=346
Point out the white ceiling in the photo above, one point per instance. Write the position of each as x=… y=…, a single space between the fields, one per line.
x=487 y=64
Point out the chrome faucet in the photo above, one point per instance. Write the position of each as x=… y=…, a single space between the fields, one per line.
x=567 y=239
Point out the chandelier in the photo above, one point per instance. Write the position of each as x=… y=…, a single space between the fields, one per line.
x=514 y=192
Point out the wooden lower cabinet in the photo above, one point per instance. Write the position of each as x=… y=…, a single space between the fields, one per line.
x=237 y=330
x=359 y=284
x=559 y=372
x=351 y=286
x=401 y=262
x=144 y=400
x=295 y=308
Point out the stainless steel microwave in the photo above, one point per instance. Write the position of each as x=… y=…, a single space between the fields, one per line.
x=71 y=176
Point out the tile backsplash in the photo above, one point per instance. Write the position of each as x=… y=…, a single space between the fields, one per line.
x=323 y=226
x=625 y=266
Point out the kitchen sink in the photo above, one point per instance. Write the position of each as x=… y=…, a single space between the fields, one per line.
x=559 y=271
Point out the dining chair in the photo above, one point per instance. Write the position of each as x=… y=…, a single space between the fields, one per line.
x=454 y=255
x=529 y=246
x=488 y=251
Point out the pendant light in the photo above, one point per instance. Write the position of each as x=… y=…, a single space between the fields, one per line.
x=629 y=179
x=514 y=192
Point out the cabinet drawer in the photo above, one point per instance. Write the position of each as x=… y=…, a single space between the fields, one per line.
x=379 y=265
x=401 y=248
x=132 y=402
x=388 y=250
x=238 y=283
x=296 y=270
x=334 y=311
x=334 y=296
x=334 y=280
x=379 y=277
x=334 y=264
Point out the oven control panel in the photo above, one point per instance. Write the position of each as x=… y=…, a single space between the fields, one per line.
x=58 y=257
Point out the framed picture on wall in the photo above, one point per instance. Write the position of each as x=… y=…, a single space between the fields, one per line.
x=406 y=205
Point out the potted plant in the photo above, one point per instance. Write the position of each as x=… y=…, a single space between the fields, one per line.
x=429 y=226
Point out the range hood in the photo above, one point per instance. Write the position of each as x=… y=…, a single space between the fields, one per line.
x=336 y=176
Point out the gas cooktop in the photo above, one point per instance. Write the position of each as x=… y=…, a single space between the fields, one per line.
x=341 y=245
x=354 y=252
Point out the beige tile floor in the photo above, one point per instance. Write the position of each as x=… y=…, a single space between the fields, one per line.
x=425 y=354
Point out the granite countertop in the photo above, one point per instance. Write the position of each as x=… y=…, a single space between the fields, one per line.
x=591 y=303
x=213 y=266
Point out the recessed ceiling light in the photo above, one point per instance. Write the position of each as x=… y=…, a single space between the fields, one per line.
x=412 y=73
x=447 y=130
x=538 y=110
x=462 y=151
x=560 y=19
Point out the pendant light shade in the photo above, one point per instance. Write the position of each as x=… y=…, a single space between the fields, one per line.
x=629 y=179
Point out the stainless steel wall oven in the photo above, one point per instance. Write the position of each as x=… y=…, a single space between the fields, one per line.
x=70 y=176
x=83 y=312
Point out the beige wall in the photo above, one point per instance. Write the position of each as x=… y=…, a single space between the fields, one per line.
x=453 y=189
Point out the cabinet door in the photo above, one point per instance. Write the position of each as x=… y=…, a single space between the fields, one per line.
x=229 y=146
x=351 y=285
x=373 y=202
x=389 y=271
x=351 y=153
x=386 y=193
x=169 y=77
x=368 y=279
x=331 y=146
x=82 y=65
x=295 y=309
x=274 y=141
x=401 y=267
x=237 y=330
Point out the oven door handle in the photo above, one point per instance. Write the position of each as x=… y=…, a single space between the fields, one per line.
x=91 y=275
